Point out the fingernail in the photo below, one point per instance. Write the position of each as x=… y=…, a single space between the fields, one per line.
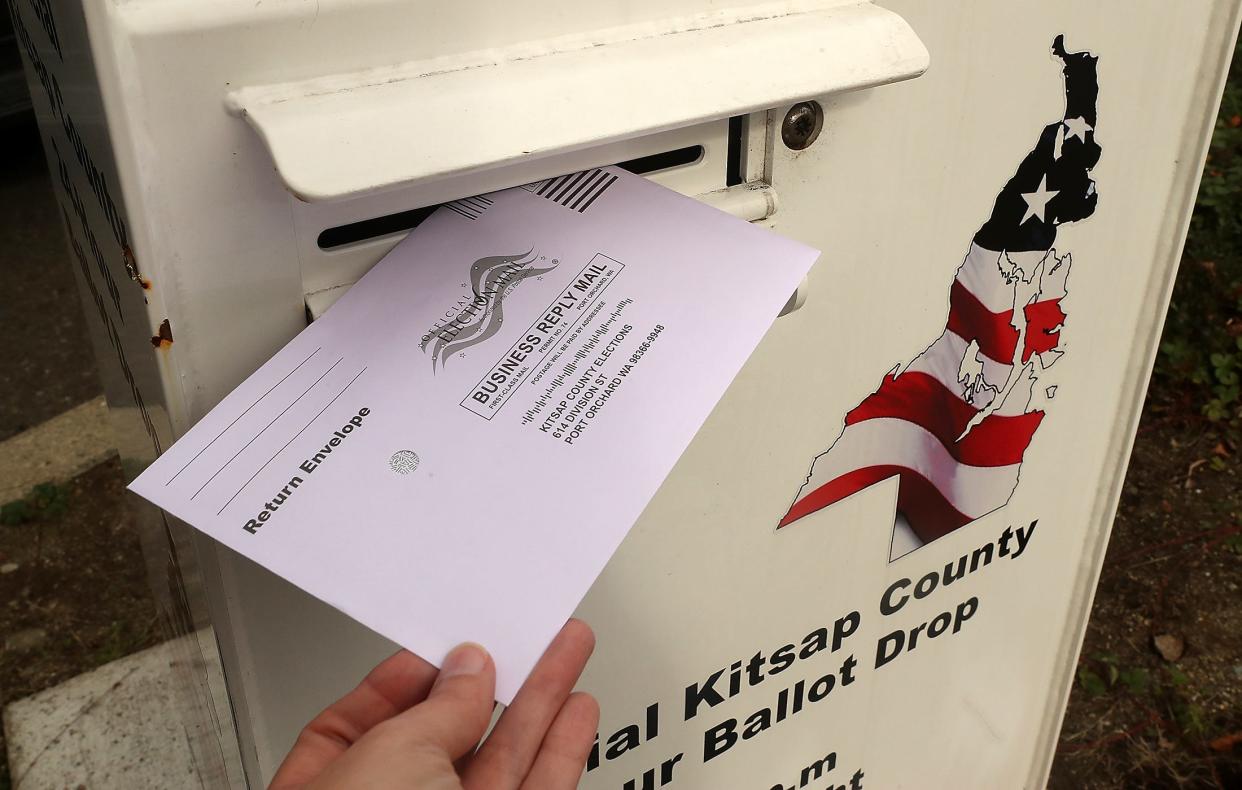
x=467 y=659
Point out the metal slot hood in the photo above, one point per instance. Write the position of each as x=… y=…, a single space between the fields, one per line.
x=351 y=134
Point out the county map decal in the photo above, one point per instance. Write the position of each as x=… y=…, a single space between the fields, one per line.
x=953 y=425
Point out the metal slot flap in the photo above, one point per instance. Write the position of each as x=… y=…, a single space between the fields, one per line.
x=363 y=132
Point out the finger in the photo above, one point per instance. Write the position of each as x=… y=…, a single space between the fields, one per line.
x=565 y=749
x=507 y=755
x=397 y=683
x=463 y=763
x=458 y=709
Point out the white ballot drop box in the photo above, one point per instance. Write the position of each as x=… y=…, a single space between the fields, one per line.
x=873 y=565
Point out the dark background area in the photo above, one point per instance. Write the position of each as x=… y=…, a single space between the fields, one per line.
x=1157 y=701
x=48 y=363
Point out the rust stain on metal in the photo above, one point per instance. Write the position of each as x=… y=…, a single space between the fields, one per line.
x=164 y=338
x=145 y=283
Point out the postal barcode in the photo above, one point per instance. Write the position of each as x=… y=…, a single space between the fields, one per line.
x=471 y=208
x=576 y=191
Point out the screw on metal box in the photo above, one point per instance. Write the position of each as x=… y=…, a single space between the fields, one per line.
x=802 y=125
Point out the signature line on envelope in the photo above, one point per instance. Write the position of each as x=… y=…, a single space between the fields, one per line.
x=295 y=436
x=269 y=425
x=243 y=414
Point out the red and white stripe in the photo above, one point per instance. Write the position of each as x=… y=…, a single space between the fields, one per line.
x=912 y=426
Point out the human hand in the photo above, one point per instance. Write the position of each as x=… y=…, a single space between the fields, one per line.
x=412 y=727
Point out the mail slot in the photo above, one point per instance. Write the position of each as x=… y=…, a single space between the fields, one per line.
x=874 y=563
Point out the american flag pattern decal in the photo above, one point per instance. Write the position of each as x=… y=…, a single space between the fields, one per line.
x=954 y=424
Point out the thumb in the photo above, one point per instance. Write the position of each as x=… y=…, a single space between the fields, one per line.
x=456 y=713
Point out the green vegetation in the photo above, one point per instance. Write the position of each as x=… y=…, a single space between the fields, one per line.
x=1106 y=674
x=1165 y=695
x=46 y=500
x=1201 y=353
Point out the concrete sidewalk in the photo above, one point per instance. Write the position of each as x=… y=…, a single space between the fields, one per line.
x=116 y=727
x=56 y=450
